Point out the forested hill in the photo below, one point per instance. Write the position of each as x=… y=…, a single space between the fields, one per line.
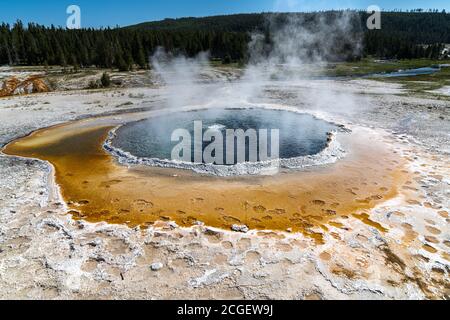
x=403 y=35
x=226 y=23
x=418 y=26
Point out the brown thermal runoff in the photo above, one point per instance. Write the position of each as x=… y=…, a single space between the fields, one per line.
x=97 y=188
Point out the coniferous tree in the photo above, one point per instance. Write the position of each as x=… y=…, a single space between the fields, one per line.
x=404 y=35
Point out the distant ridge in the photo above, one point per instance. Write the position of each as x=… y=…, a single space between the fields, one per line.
x=229 y=23
x=418 y=27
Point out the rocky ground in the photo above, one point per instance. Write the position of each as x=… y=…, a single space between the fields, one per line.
x=45 y=254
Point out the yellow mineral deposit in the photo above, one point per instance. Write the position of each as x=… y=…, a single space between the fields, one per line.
x=97 y=188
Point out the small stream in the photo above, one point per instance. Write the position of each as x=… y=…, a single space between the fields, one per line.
x=408 y=72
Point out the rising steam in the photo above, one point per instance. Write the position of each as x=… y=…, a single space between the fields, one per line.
x=293 y=47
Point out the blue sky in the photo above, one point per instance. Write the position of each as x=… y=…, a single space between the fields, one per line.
x=97 y=13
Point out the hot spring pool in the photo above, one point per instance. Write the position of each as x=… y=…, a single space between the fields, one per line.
x=150 y=141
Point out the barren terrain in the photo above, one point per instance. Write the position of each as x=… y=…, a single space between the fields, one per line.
x=400 y=248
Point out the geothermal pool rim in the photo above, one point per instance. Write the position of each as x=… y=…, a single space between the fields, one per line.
x=332 y=152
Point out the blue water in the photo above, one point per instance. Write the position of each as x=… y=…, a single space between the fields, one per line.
x=300 y=134
x=407 y=73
